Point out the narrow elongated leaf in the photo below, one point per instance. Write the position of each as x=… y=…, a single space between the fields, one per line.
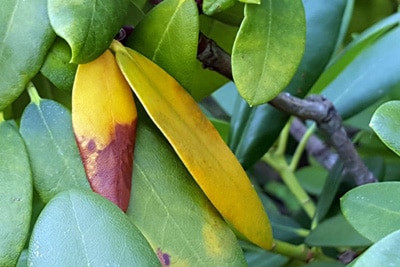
x=57 y=68
x=82 y=228
x=198 y=144
x=385 y=123
x=268 y=48
x=87 y=25
x=383 y=253
x=368 y=76
x=56 y=165
x=191 y=232
x=15 y=192
x=370 y=205
x=169 y=37
x=25 y=37
x=104 y=120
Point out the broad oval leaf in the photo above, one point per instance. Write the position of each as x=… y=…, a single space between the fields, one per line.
x=370 y=205
x=104 y=121
x=15 y=192
x=87 y=25
x=168 y=35
x=57 y=67
x=25 y=37
x=198 y=144
x=172 y=212
x=383 y=253
x=56 y=165
x=268 y=48
x=250 y=139
x=82 y=228
x=386 y=124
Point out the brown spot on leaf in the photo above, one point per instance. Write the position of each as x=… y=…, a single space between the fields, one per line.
x=109 y=170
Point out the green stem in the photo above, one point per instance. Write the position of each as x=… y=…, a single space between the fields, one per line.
x=280 y=165
x=299 y=252
x=283 y=139
x=1 y=116
x=33 y=94
x=301 y=147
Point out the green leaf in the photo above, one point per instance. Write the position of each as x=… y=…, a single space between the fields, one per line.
x=383 y=253
x=251 y=1
x=312 y=178
x=365 y=71
x=172 y=211
x=168 y=35
x=385 y=122
x=56 y=164
x=372 y=209
x=25 y=37
x=336 y=232
x=261 y=66
x=82 y=228
x=15 y=193
x=88 y=26
x=211 y=7
x=232 y=16
x=57 y=67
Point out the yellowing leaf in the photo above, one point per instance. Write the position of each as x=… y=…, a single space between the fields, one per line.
x=104 y=120
x=198 y=144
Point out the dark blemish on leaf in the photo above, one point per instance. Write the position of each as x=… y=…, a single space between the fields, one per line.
x=91 y=146
x=163 y=257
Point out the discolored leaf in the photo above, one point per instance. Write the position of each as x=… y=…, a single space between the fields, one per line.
x=268 y=48
x=383 y=253
x=385 y=123
x=169 y=37
x=15 y=192
x=87 y=25
x=104 y=121
x=370 y=205
x=57 y=67
x=25 y=37
x=47 y=131
x=198 y=144
x=82 y=228
x=172 y=212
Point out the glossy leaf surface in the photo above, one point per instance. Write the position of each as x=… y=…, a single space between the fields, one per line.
x=25 y=37
x=370 y=205
x=82 y=228
x=172 y=212
x=202 y=150
x=383 y=253
x=56 y=165
x=169 y=36
x=57 y=67
x=211 y=7
x=386 y=124
x=87 y=25
x=15 y=192
x=104 y=121
x=368 y=76
x=250 y=138
x=261 y=66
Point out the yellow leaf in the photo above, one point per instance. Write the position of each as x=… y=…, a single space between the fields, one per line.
x=104 y=120
x=198 y=144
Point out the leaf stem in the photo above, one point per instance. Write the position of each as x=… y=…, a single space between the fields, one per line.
x=300 y=148
x=33 y=93
x=1 y=116
x=283 y=139
x=299 y=252
x=278 y=163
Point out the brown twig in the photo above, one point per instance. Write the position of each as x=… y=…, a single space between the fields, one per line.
x=314 y=107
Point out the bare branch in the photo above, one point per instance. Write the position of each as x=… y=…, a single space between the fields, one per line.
x=314 y=107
